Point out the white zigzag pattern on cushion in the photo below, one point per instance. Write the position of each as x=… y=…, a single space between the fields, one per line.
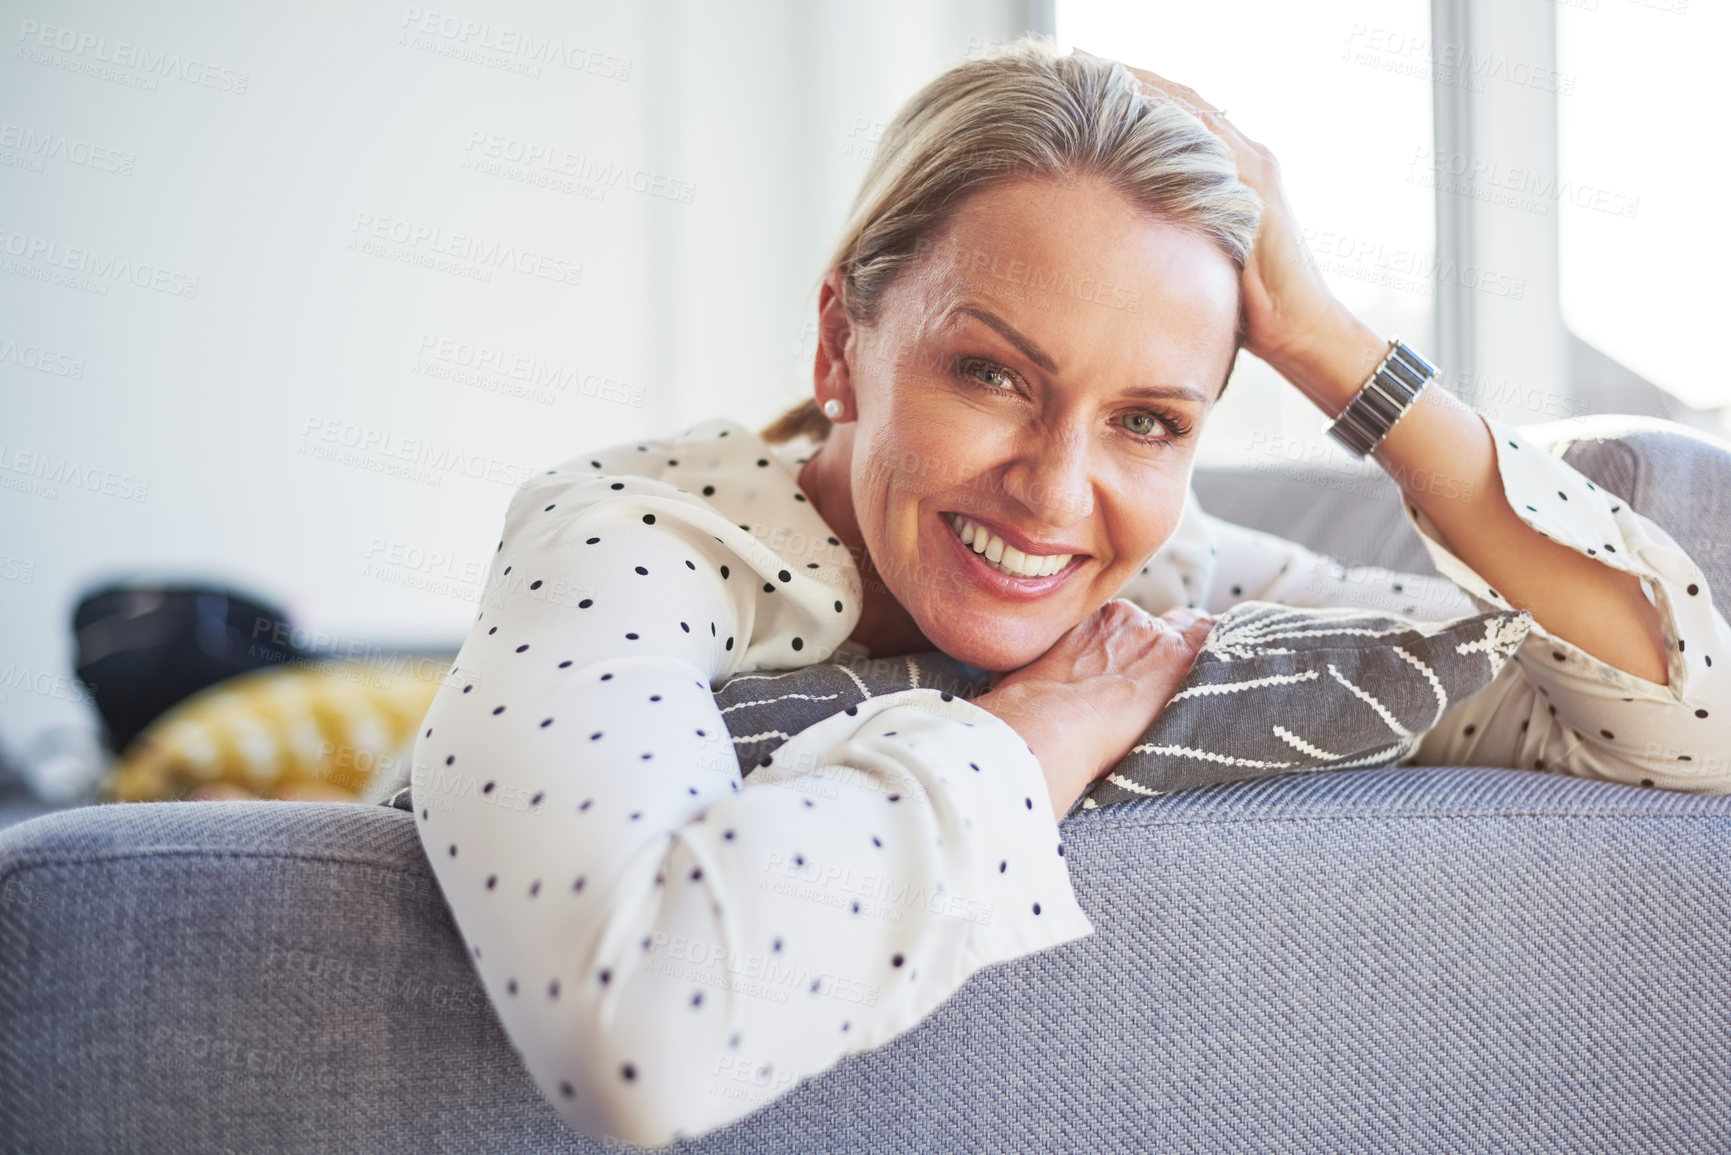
x=1133 y=786
x=759 y=737
x=1369 y=699
x=857 y=680
x=1302 y=746
x=913 y=674
x=1502 y=638
x=1209 y=756
x=1393 y=753
x=1442 y=695
x=1253 y=683
x=783 y=698
x=762 y=677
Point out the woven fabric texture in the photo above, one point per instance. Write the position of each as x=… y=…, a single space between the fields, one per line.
x=1417 y=960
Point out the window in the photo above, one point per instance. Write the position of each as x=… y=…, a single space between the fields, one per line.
x=1641 y=175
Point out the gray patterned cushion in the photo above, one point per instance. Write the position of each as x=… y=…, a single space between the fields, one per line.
x=1275 y=690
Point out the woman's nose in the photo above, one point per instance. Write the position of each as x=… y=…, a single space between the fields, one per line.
x=1052 y=477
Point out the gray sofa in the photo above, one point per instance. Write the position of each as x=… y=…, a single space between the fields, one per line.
x=1417 y=960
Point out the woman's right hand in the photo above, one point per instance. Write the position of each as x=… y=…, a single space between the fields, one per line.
x=1083 y=703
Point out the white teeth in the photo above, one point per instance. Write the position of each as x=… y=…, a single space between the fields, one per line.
x=1003 y=557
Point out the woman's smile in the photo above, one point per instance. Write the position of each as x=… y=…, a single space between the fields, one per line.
x=990 y=557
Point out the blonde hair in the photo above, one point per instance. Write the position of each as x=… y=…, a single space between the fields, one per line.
x=1016 y=111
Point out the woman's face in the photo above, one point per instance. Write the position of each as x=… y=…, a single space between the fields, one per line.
x=1035 y=382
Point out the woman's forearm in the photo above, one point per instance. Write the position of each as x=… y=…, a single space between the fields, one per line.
x=1442 y=455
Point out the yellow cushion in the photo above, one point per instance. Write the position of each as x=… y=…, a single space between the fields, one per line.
x=313 y=730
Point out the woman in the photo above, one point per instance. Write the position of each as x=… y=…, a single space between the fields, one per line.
x=995 y=464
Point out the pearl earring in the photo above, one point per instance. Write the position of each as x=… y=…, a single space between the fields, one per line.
x=832 y=409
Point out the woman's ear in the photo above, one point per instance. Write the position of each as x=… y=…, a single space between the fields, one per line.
x=832 y=369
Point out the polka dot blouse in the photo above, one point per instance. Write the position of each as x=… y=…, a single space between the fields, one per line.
x=670 y=945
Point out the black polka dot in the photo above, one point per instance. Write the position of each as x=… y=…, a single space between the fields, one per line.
x=522 y=647
x=762 y=462
x=649 y=519
x=492 y=881
x=1693 y=589
x=641 y=572
x=1646 y=781
x=767 y=588
x=453 y=850
x=709 y=491
x=1606 y=734
x=631 y=637
x=1700 y=713
x=1470 y=730
x=536 y=801
x=592 y=541
x=498 y=710
x=549 y=509
x=1030 y=802
x=628 y=1073
x=723 y=573
x=618 y=485
x=488 y=788
x=798 y=643
x=729 y=643
x=689 y=564
x=784 y=576
x=606 y=677
x=838 y=607
x=896 y=959
x=492 y=631
x=1036 y=908
x=1237 y=590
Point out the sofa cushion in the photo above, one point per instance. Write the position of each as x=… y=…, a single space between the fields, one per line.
x=1275 y=690
x=1427 y=961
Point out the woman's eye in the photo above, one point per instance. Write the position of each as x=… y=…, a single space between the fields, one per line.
x=1142 y=424
x=987 y=375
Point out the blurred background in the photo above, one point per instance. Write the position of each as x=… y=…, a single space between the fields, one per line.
x=293 y=296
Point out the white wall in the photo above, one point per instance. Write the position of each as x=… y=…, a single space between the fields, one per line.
x=199 y=283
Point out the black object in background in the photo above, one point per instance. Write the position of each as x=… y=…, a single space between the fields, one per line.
x=140 y=649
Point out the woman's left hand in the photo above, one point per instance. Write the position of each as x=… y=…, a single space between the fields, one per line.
x=1287 y=305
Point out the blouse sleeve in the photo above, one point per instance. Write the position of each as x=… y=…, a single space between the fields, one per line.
x=669 y=946
x=1554 y=707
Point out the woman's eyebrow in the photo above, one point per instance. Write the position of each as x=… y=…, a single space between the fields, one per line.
x=1168 y=393
x=1030 y=350
x=1044 y=360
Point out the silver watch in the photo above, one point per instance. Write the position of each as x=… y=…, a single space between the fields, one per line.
x=1382 y=401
